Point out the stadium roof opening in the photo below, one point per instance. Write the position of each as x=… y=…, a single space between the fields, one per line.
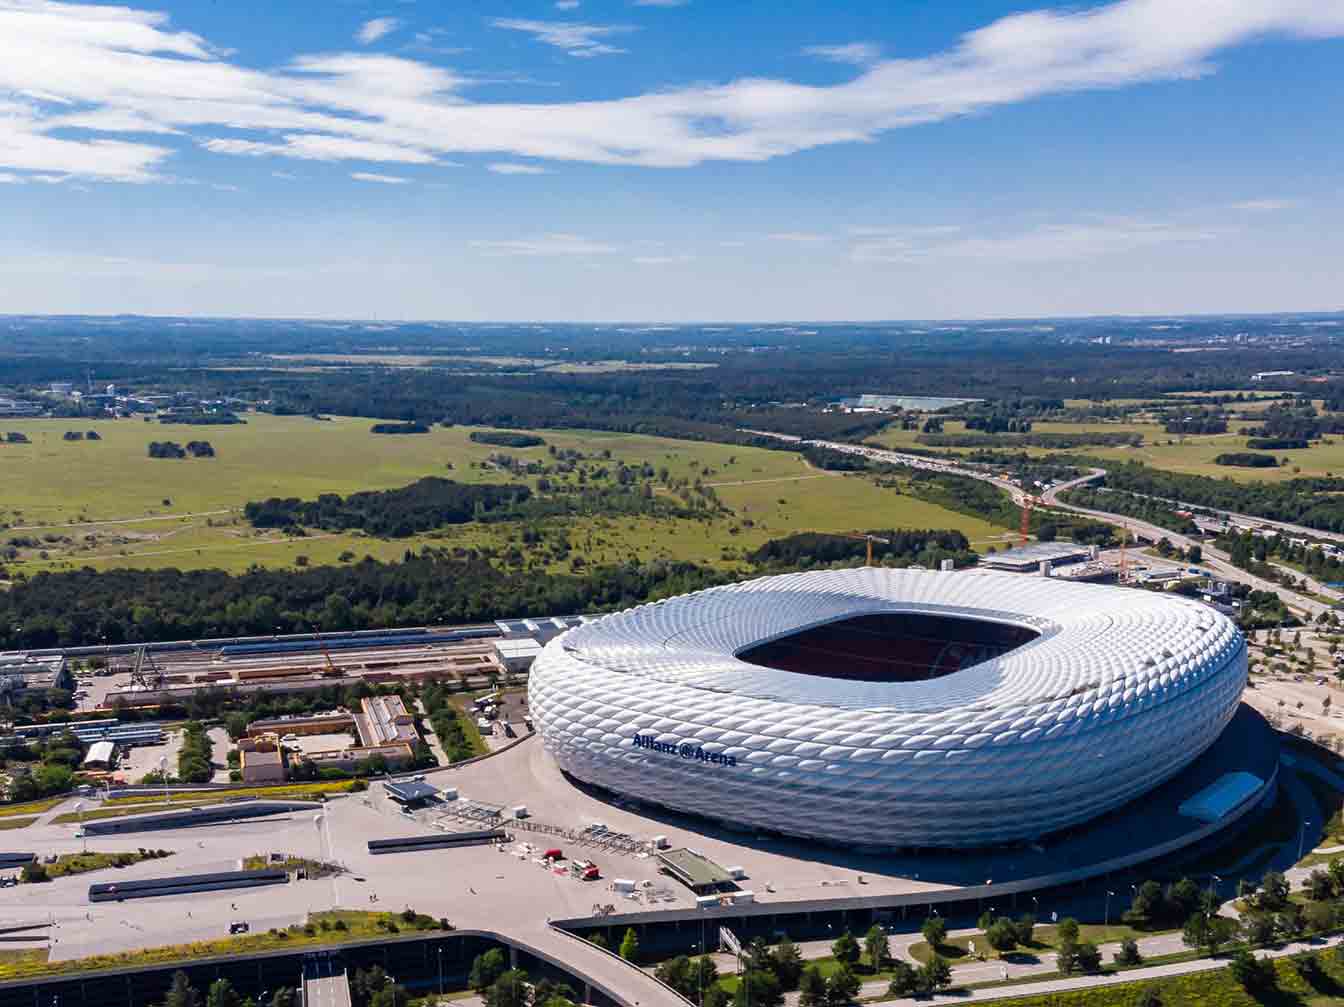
x=890 y=647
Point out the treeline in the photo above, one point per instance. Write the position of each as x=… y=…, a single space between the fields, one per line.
x=424 y=505
x=1198 y=423
x=446 y=721
x=1145 y=509
x=83 y=607
x=1276 y=444
x=171 y=449
x=1312 y=502
x=902 y=548
x=507 y=439
x=1248 y=548
x=834 y=461
x=1053 y=441
x=1246 y=460
x=409 y=427
x=193 y=759
x=984 y=500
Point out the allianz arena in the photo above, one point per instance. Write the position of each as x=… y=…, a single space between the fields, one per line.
x=891 y=708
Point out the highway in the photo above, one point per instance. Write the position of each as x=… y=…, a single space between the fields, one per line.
x=1214 y=559
x=324 y=983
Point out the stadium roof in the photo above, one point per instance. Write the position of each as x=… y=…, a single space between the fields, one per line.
x=1095 y=643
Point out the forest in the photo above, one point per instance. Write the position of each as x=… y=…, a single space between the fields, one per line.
x=81 y=607
x=903 y=547
x=398 y=513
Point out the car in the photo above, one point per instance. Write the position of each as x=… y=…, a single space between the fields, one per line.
x=239 y=927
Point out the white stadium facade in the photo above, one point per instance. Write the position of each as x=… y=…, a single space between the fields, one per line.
x=891 y=708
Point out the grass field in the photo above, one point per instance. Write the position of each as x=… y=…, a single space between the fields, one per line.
x=32 y=807
x=107 y=504
x=15 y=823
x=322 y=928
x=1193 y=454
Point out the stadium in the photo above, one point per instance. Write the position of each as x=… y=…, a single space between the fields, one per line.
x=891 y=708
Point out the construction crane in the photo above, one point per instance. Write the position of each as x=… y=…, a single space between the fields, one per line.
x=1029 y=502
x=870 y=539
x=147 y=678
x=1124 y=558
x=332 y=670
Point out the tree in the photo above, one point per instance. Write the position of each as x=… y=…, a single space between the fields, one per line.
x=1257 y=928
x=758 y=988
x=935 y=974
x=181 y=993
x=285 y=996
x=811 y=988
x=1197 y=931
x=221 y=994
x=758 y=955
x=1067 y=929
x=393 y=995
x=509 y=990
x=1026 y=929
x=1146 y=906
x=788 y=962
x=1319 y=916
x=842 y=988
x=935 y=932
x=1183 y=898
x=1066 y=956
x=675 y=972
x=486 y=968
x=1088 y=958
x=1129 y=952
x=1319 y=886
x=716 y=996
x=630 y=945
x=1254 y=974
x=904 y=980
x=875 y=947
x=1273 y=890
x=846 y=948
x=1002 y=935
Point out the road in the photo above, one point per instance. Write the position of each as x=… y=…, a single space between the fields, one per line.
x=325 y=983
x=1214 y=559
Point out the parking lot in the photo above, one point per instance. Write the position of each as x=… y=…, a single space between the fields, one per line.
x=142 y=759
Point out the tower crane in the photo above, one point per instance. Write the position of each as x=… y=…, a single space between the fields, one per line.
x=1029 y=503
x=870 y=539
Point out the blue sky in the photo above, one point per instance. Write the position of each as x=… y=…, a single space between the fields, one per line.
x=618 y=160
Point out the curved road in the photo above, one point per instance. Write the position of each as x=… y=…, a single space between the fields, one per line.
x=1214 y=559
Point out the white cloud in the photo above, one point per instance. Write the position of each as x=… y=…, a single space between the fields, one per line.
x=287 y=176
x=798 y=237
x=856 y=53
x=371 y=31
x=566 y=4
x=1056 y=242
x=582 y=40
x=373 y=176
x=133 y=81
x=510 y=168
x=661 y=3
x=557 y=244
x=662 y=260
x=1266 y=205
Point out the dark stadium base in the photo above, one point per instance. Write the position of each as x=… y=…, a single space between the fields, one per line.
x=1145 y=830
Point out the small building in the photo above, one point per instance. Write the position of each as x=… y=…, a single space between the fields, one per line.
x=410 y=793
x=101 y=755
x=262 y=765
x=517 y=655
x=696 y=871
x=1028 y=558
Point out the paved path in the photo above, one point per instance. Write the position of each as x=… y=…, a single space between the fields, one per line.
x=1083 y=982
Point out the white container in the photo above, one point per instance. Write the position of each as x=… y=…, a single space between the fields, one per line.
x=520 y=811
x=448 y=793
x=660 y=842
x=742 y=898
x=622 y=885
x=736 y=873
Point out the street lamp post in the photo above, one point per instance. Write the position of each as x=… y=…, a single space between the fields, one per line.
x=79 y=810
x=1107 y=921
x=440 y=970
x=1302 y=839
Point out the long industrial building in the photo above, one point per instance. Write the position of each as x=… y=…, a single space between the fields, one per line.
x=891 y=708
